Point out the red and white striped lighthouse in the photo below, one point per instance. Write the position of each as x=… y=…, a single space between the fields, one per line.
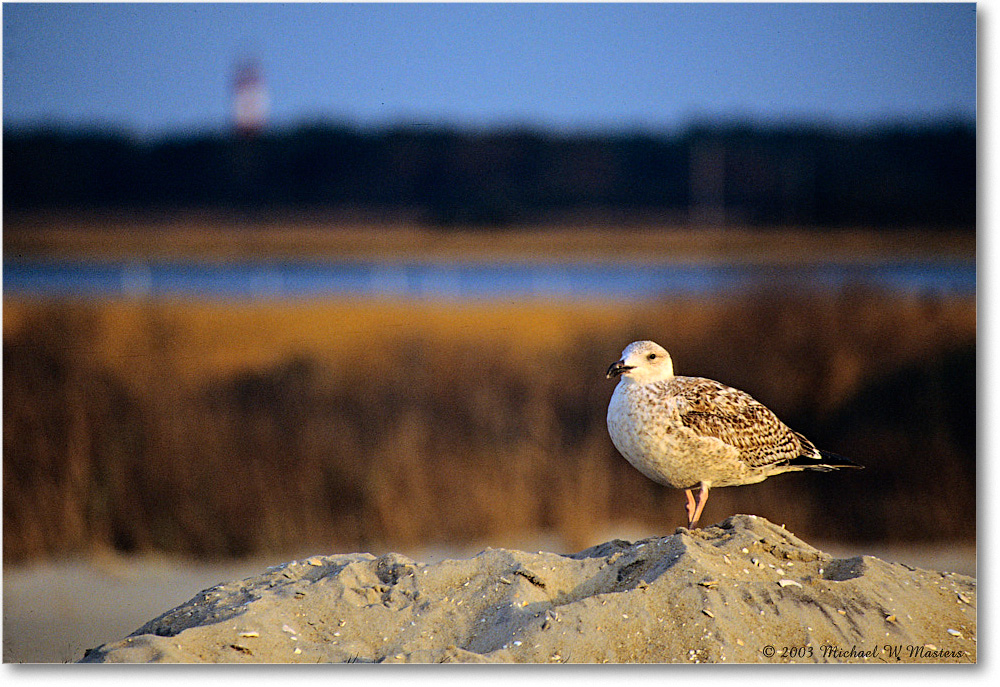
x=249 y=99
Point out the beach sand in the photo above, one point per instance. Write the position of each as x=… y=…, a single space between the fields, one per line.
x=744 y=590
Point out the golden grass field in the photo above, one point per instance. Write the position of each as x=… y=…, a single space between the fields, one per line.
x=239 y=428
x=218 y=338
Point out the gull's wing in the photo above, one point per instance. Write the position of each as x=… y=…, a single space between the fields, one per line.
x=715 y=410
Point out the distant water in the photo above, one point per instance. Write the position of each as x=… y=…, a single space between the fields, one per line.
x=463 y=281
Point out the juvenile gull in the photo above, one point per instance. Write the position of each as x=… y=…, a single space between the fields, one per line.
x=688 y=432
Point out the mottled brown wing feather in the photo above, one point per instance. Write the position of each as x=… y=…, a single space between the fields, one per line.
x=736 y=418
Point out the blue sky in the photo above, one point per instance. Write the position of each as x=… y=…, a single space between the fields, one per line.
x=156 y=68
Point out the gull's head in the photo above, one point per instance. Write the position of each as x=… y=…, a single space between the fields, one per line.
x=643 y=362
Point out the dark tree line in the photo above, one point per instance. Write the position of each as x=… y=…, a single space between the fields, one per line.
x=884 y=177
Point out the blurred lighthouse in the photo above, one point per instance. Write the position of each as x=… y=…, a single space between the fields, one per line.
x=249 y=99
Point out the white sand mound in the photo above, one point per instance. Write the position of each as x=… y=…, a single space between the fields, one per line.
x=745 y=590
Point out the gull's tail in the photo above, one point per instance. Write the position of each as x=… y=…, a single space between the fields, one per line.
x=813 y=458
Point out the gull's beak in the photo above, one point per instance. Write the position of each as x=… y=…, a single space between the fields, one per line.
x=618 y=368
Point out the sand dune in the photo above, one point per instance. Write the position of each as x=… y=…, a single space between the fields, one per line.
x=745 y=590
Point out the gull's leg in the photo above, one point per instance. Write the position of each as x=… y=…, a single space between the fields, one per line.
x=702 y=499
x=690 y=508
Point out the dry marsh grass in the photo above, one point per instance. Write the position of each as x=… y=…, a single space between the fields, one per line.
x=218 y=236
x=229 y=429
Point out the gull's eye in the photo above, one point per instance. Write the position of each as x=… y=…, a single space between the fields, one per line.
x=651 y=356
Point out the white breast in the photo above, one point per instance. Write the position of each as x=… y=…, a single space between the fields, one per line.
x=647 y=430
